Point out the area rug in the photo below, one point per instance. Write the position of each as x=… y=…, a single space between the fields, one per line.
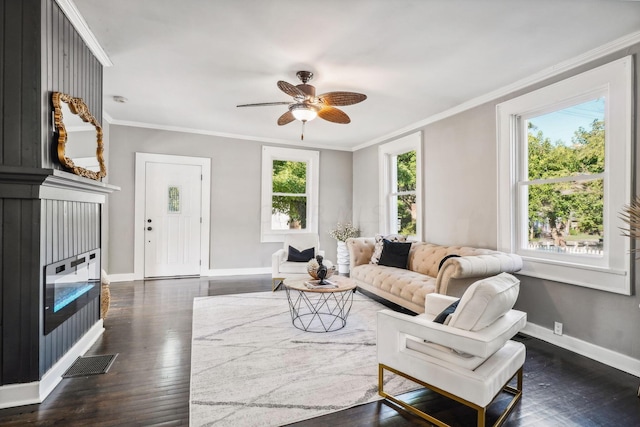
x=251 y=367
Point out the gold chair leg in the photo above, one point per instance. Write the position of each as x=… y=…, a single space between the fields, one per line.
x=482 y=412
x=275 y=283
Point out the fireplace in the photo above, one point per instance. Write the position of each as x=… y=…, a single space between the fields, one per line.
x=70 y=284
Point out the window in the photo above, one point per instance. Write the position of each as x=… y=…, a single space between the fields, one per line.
x=289 y=192
x=400 y=187
x=562 y=181
x=559 y=191
x=174 y=199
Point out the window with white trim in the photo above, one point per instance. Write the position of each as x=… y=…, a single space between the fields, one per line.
x=289 y=192
x=564 y=160
x=400 y=187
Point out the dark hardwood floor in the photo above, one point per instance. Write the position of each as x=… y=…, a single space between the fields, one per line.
x=149 y=326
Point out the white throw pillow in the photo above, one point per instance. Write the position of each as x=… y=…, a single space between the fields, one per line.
x=485 y=301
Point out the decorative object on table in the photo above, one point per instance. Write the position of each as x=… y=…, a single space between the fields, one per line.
x=315 y=284
x=313 y=265
x=341 y=233
x=321 y=271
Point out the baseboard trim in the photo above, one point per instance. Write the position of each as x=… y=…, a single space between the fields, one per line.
x=37 y=391
x=125 y=277
x=603 y=355
x=218 y=272
x=238 y=271
x=19 y=394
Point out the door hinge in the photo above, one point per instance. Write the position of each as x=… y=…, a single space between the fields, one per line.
x=200 y=262
x=200 y=220
x=201 y=177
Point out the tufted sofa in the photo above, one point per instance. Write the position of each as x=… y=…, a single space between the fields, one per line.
x=409 y=288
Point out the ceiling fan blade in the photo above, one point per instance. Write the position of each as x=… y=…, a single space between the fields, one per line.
x=341 y=98
x=285 y=118
x=290 y=89
x=334 y=115
x=263 y=104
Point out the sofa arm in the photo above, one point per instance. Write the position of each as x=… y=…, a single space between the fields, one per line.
x=458 y=273
x=360 y=250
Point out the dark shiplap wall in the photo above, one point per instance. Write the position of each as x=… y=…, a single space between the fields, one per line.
x=20 y=96
x=20 y=275
x=68 y=66
x=40 y=52
x=70 y=228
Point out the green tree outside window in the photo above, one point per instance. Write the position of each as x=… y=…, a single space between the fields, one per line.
x=572 y=209
x=406 y=182
x=289 y=188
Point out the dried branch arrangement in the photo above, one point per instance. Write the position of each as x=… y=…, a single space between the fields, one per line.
x=631 y=215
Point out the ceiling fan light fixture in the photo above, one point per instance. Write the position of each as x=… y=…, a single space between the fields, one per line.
x=304 y=112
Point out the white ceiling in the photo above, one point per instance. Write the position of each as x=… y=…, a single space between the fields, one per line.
x=186 y=64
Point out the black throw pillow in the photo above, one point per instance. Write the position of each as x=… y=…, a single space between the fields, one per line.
x=446 y=258
x=395 y=254
x=301 y=256
x=440 y=318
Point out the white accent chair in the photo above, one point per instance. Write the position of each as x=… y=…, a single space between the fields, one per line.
x=282 y=269
x=469 y=358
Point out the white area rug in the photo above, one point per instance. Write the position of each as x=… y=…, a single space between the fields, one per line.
x=251 y=367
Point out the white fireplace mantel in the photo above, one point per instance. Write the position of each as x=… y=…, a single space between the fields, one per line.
x=53 y=184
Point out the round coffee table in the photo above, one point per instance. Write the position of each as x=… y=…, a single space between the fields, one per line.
x=322 y=309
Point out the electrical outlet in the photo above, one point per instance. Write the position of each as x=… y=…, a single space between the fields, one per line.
x=557 y=328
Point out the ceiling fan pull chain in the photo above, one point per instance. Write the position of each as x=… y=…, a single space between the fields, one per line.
x=302 y=134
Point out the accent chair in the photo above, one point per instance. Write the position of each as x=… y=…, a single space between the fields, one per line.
x=283 y=268
x=469 y=357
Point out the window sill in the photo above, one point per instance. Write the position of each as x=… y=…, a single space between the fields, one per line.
x=593 y=277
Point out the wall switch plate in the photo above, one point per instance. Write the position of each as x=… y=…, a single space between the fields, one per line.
x=557 y=328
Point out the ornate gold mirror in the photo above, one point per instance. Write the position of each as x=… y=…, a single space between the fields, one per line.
x=78 y=133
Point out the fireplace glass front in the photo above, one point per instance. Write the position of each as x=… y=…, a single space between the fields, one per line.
x=70 y=285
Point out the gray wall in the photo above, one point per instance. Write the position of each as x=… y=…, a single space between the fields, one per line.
x=366 y=209
x=460 y=207
x=235 y=195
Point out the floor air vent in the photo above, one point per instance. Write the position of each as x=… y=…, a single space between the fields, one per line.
x=90 y=365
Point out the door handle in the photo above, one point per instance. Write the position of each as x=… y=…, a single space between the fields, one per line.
x=149 y=228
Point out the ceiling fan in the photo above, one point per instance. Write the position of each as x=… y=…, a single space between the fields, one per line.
x=307 y=106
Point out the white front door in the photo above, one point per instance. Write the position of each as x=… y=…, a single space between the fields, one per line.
x=172 y=228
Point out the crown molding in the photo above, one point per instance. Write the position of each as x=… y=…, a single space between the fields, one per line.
x=567 y=65
x=106 y=117
x=144 y=125
x=73 y=14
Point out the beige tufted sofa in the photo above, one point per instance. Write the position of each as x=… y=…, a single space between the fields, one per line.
x=409 y=288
